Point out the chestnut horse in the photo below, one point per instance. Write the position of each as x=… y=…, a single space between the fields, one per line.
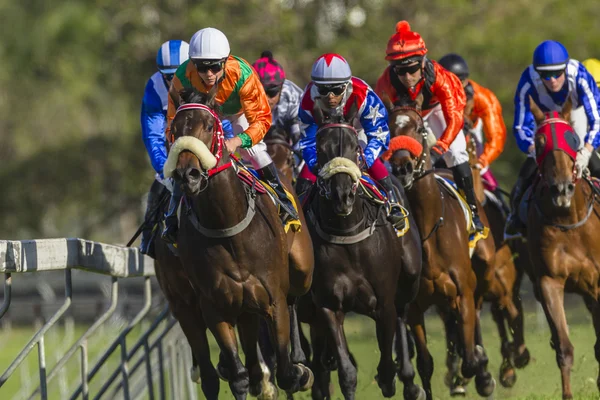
x=562 y=233
x=361 y=264
x=449 y=279
x=235 y=251
x=279 y=147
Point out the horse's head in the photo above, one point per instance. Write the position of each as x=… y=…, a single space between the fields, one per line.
x=407 y=153
x=198 y=140
x=556 y=145
x=337 y=156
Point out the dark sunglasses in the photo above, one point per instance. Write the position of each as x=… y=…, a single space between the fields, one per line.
x=203 y=68
x=273 y=91
x=168 y=77
x=547 y=75
x=403 y=70
x=337 y=90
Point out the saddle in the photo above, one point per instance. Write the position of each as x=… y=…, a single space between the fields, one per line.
x=474 y=236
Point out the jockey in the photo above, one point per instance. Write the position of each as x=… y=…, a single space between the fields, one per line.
x=242 y=100
x=593 y=67
x=153 y=118
x=283 y=95
x=333 y=88
x=410 y=73
x=486 y=108
x=549 y=80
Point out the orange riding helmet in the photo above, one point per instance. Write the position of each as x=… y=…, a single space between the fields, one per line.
x=405 y=46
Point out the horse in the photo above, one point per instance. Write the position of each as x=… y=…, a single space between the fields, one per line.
x=449 y=279
x=279 y=147
x=562 y=226
x=235 y=251
x=361 y=264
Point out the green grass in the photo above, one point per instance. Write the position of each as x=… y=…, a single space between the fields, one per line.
x=539 y=380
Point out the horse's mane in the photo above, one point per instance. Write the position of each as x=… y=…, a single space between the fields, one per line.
x=191 y=95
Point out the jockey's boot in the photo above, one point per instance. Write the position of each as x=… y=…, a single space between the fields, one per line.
x=395 y=216
x=514 y=226
x=169 y=235
x=269 y=174
x=155 y=196
x=464 y=180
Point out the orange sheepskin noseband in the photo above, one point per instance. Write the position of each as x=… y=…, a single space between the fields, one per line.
x=403 y=143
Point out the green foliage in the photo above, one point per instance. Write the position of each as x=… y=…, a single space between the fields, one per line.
x=73 y=75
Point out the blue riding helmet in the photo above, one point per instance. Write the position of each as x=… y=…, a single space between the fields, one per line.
x=171 y=54
x=550 y=55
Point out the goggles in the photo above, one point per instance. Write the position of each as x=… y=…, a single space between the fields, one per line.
x=203 y=66
x=406 y=69
x=273 y=91
x=547 y=75
x=336 y=90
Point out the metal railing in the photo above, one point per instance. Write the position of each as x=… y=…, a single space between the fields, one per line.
x=128 y=382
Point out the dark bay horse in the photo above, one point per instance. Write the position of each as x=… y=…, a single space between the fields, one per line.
x=449 y=279
x=235 y=251
x=361 y=265
x=562 y=234
x=279 y=147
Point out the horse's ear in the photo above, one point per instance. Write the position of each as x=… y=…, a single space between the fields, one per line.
x=536 y=111
x=566 y=109
x=387 y=102
x=211 y=97
x=419 y=101
x=318 y=115
x=352 y=112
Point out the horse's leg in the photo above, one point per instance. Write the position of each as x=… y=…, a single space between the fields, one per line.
x=386 y=330
x=453 y=378
x=474 y=360
x=266 y=348
x=290 y=377
x=552 y=293
x=230 y=366
x=520 y=352
x=347 y=372
x=416 y=320
x=322 y=387
x=507 y=370
x=594 y=308
x=298 y=356
x=260 y=385
x=193 y=327
x=406 y=372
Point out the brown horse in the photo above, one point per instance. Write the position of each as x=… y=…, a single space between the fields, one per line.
x=234 y=249
x=563 y=224
x=361 y=265
x=279 y=147
x=449 y=279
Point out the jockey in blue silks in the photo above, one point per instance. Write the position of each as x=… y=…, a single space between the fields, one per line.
x=551 y=78
x=153 y=119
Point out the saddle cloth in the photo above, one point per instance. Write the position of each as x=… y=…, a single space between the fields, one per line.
x=474 y=236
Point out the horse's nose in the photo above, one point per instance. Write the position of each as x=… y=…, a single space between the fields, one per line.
x=192 y=174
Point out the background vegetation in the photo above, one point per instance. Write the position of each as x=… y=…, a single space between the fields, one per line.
x=73 y=73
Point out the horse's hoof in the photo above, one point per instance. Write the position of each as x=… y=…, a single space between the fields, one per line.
x=485 y=385
x=508 y=377
x=458 y=390
x=521 y=360
x=195 y=374
x=307 y=378
x=387 y=389
x=268 y=392
x=222 y=372
x=414 y=392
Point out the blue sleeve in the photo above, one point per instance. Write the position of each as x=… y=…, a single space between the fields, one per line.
x=308 y=142
x=153 y=122
x=589 y=97
x=227 y=129
x=524 y=123
x=374 y=120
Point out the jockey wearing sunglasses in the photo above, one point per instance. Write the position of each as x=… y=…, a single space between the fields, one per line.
x=153 y=119
x=334 y=89
x=242 y=101
x=551 y=78
x=409 y=74
x=283 y=95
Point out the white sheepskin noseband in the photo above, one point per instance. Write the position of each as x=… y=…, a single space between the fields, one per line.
x=196 y=146
x=340 y=165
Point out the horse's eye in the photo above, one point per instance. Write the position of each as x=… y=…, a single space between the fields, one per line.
x=210 y=127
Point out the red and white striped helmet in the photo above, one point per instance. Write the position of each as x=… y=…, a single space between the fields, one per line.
x=330 y=69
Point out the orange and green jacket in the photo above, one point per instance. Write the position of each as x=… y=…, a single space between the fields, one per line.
x=240 y=91
x=488 y=108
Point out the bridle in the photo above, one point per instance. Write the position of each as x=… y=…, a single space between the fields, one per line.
x=420 y=168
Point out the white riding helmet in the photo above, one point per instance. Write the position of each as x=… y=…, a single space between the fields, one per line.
x=331 y=69
x=209 y=44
